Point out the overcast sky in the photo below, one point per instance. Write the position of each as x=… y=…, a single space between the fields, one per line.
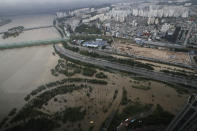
x=9 y=7
x=46 y=1
x=33 y=1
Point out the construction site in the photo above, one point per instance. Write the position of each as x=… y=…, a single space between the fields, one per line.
x=154 y=54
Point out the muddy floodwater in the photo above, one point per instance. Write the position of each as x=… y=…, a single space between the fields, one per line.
x=21 y=71
x=24 y=69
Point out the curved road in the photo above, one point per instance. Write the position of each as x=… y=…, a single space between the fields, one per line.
x=147 y=73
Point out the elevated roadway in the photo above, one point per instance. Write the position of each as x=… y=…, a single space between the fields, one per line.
x=30 y=43
x=147 y=73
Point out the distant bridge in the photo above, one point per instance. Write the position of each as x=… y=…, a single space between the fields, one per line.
x=33 y=28
x=35 y=43
x=39 y=27
x=30 y=43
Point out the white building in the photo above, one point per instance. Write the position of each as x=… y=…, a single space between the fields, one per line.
x=118 y=14
x=61 y=14
x=161 y=11
x=101 y=17
x=103 y=10
x=165 y=27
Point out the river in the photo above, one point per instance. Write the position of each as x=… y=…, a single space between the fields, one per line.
x=21 y=71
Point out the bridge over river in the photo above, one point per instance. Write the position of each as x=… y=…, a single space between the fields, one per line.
x=30 y=43
x=34 y=28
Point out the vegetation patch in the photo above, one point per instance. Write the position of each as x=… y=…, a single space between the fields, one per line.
x=12 y=112
x=95 y=81
x=128 y=111
x=88 y=29
x=180 y=90
x=141 y=87
x=71 y=114
x=89 y=72
x=134 y=108
x=124 y=99
x=91 y=128
x=141 y=79
x=159 y=117
x=15 y=31
x=39 y=124
x=41 y=88
x=115 y=94
x=91 y=37
x=29 y=110
x=66 y=68
x=195 y=59
x=101 y=75
x=75 y=49
x=62 y=82
x=3 y=122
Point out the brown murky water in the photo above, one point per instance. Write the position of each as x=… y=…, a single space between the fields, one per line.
x=22 y=70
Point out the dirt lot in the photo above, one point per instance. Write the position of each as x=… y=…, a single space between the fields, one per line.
x=168 y=56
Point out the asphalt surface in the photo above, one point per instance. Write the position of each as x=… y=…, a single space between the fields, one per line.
x=161 y=44
x=104 y=52
x=147 y=73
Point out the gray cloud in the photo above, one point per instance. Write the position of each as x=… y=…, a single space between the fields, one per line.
x=26 y=6
x=48 y=1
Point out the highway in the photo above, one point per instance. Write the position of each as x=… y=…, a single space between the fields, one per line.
x=170 y=45
x=107 y=52
x=188 y=35
x=161 y=44
x=147 y=73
